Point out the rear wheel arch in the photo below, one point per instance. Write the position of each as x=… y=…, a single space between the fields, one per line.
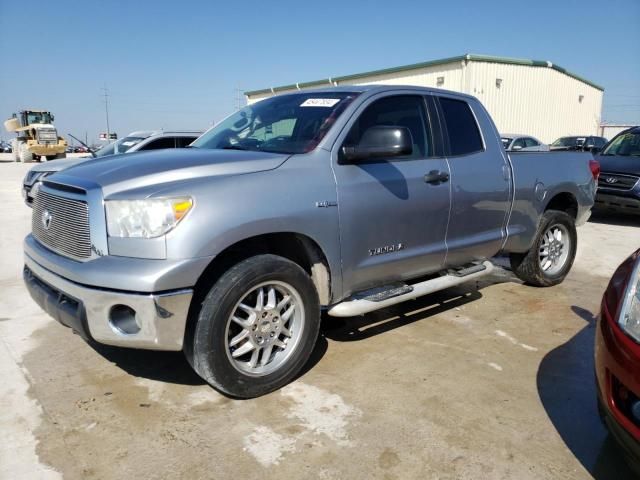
x=563 y=202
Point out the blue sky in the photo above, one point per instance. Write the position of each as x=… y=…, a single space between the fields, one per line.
x=174 y=64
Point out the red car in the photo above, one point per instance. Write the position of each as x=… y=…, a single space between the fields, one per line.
x=617 y=358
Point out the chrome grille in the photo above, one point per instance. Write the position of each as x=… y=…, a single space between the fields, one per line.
x=617 y=181
x=47 y=135
x=62 y=224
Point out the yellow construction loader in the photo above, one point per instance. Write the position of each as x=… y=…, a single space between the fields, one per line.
x=37 y=138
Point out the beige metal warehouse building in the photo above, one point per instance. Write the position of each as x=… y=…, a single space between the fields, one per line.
x=523 y=96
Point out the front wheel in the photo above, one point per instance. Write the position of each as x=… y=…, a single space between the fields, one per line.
x=257 y=327
x=25 y=155
x=552 y=253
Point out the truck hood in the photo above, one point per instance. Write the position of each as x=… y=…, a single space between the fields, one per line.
x=629 y=165
x=56 y=165
x=141 y=170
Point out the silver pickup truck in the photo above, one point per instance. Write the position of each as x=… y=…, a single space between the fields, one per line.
x=345 y=199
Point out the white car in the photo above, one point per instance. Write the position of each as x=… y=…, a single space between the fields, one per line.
x=134 y=142
x=515 y=142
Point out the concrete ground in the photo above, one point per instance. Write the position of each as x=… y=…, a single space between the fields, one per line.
x=492 y=380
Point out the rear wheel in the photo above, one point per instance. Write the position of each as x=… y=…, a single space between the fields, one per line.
x=257 y=327
x=552 y=253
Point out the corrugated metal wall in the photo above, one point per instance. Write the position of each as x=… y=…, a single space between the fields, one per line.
x=538 y=101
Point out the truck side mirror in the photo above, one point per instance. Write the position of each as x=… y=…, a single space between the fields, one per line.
x=380 y=141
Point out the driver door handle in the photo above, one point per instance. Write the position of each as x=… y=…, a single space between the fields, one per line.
x=435 y=177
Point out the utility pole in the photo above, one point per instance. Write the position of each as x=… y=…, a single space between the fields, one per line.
x=238 y=98
x=105 y=94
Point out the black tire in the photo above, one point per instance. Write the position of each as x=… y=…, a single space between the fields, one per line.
x=527 y=266
x=25 y=156
x=206 y=340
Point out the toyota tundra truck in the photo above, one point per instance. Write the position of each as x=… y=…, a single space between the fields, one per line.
x=344 y=200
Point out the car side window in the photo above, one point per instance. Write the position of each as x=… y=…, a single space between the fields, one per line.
x=462 y=129
x=159 y=143
x=520 y=142
x=182 y=142
x=400 y=111
x=530 y=142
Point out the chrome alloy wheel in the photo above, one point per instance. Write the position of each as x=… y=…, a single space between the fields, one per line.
x=264 y=328
x=554 y=250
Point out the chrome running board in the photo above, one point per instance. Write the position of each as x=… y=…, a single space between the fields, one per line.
x=360 y=306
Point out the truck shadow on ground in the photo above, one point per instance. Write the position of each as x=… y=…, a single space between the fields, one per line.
x=382 y=321
x=387 y=319
x=169 y=367
x=172 y=367
x=566 y=386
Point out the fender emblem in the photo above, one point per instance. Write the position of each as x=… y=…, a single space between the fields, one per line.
x=396 y=247
x=326 y=204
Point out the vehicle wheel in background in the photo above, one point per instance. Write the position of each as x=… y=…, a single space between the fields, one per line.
x=552 y=253
x=257 y=327
x=60 y=155
x=15 y=150
x=25 y=155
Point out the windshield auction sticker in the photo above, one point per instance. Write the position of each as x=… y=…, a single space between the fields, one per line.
x=319 y=102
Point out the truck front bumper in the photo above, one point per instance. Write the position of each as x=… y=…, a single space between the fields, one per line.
x=153 y=321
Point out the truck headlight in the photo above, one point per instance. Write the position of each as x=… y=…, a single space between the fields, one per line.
x=629 y=319
x=147 y=218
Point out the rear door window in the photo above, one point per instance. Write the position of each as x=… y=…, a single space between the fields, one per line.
x=530 y=142
x=462 y=129
x=182 y=142
x=159 y=143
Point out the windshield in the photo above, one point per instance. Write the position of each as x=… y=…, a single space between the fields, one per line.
x=506 y=141
x=39 y=117
x=626 y=144
x=293 y=123
x=120 y=146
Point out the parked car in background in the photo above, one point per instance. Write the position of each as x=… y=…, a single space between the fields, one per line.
x=134 y=142
x=5 y=147
x=149 y=140
x=617 y=358
x=229 y=250
x=619 y=183
x=522 y=143
x=586 y=143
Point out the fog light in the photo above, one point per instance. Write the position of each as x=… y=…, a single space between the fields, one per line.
x=123 y=320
